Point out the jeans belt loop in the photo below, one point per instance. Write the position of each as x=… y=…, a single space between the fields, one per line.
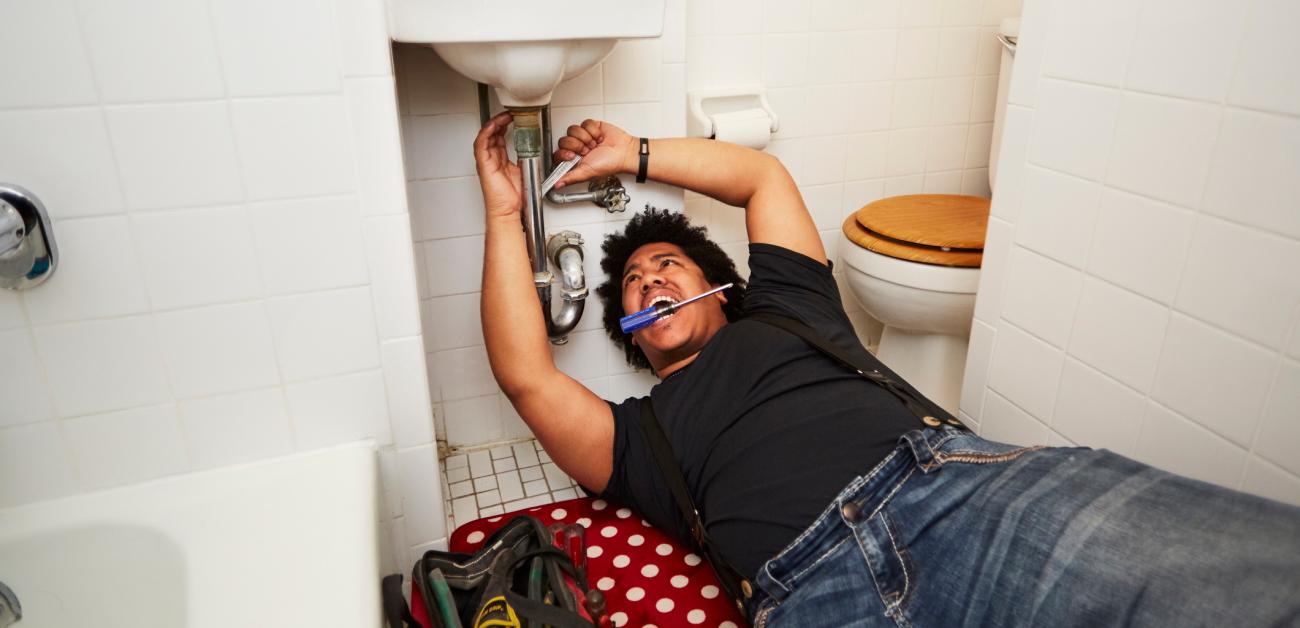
x=921 y=450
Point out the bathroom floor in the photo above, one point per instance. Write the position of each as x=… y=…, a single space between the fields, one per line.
x=491 y=481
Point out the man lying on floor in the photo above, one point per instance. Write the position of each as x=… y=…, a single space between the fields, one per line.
x=827 y=497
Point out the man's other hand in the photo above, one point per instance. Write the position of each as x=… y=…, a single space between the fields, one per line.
x=605 y=149
x=502 y=183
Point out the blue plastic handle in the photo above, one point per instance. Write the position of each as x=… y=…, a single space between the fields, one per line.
x=639 y=320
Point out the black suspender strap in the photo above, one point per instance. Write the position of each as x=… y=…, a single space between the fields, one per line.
x=662 y=451
x=914 y=403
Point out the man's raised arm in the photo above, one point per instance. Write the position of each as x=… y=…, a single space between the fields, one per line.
x=736 y=175
x=574 y=425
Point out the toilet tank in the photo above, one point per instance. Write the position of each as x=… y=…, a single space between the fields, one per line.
x=1010 y=31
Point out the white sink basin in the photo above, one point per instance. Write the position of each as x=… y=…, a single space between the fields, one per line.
x=524 y=49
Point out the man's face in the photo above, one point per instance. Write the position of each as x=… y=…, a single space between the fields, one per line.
x=662 y=272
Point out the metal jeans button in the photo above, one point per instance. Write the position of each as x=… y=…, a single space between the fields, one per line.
x=850 y=512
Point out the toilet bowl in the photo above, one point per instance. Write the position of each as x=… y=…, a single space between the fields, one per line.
x=913 y=263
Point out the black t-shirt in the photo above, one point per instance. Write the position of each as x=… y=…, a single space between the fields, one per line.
x=766 y=429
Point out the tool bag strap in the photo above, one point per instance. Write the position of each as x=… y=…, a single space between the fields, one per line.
x=736 y=585
x=924 y=410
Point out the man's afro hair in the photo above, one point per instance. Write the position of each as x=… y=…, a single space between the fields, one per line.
x=651 y=226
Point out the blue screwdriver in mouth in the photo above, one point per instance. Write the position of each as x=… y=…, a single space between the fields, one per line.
x=650 y=315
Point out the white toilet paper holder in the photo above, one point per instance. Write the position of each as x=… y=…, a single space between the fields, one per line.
x=702 y=104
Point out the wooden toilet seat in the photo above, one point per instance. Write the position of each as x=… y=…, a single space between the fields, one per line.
x=940 y=229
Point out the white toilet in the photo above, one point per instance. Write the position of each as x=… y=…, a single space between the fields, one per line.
x=913 y=263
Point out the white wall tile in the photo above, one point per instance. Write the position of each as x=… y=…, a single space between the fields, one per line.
x=339 y=410
x=127 y=446
x=102 y=365
x=97 y=274
x=393 y=282
x=197 y=257
x=1119 y=333
x=943 y=182
x=1242 y=280
x=422 y=507
x=429 y=86
x=913 y=102
x=253 y=54
x=1030 y=46
x=920 y=13
x=345 y=317
x=376 y=145
x=63 y=157
x=364 y=48
x=1251 y=179
x=960 y=12
x=34 y=464
x=872 y=105
x=452 y=322
x=235 y=428
x=975 y=182
x=1096 y=411
x=1264 y=479
x=1213 y=378
x=1091 y=42
x=1041 y=296
x=1186 y=48
x=784 y=16
x=993 y=267
x=55 y=69
x=736 y=17
x=462 y=373
x=952 y=101
x=407 y=384
x=946 y=149
x=785 y=59
x=1004 y=422
x=867 y=159
x=473 y=420
x=1163 y=147
x=737 y=60
x=295 y=146
x=824 y=110
x=957 y=51
x=1012 y=157
x=1140 y=244
x=145 y=50
x=454 y=265
x=1073 y=127
x=1266 y=65
x=824 y=203
x=1279 y=432
x=905 y=153
x=975 y=381
x=918 y=53
x=311 y=244
x=673 y=112
x=824 y=160
x=447 y=208
x=441 y=146
x=638 y=119
x=583 y=357
x=175 y=155
x=978 y=149
x=1025 y=370
x=22 y=386
x=631 y=72
x=674 y=34
x=1173 y=443
x=217 y=349
x=1057 y=215
x=984 y=99
x=989 y=54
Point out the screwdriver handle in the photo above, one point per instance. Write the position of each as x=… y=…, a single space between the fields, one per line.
x=639 y=320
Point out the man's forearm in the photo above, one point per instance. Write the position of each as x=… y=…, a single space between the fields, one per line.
x=727 y=172
x=513 y=329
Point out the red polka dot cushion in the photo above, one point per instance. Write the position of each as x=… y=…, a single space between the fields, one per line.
x=648 y=579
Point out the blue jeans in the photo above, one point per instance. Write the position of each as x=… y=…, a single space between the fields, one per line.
x=955 y=530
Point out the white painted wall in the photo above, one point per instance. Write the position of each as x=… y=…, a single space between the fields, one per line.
x=1140 y=290
x=236 y=280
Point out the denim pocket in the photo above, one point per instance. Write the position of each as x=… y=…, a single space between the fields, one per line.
x=976 y=450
